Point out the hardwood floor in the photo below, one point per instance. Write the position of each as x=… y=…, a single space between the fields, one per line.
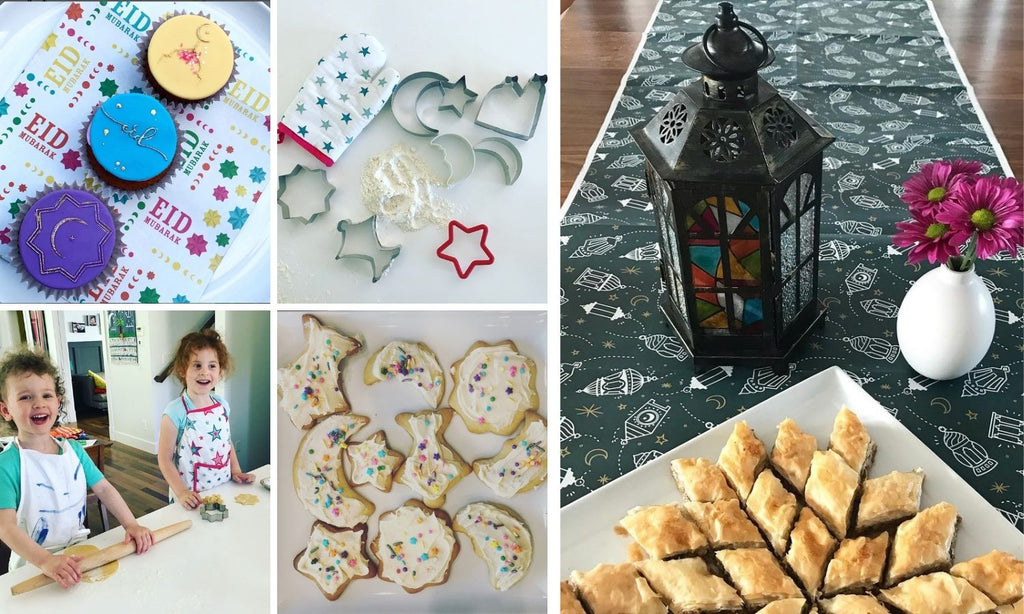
x=599 y=38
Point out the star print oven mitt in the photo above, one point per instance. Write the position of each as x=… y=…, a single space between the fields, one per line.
x=343 y=94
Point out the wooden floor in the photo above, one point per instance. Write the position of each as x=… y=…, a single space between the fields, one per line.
x=600 y=37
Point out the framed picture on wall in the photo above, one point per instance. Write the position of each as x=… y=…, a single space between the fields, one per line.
x=77 y=327
x=91 y=320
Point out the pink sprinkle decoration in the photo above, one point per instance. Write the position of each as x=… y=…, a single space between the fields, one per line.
x=480 y=420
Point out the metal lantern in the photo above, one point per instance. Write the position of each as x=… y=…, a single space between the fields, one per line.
x=734 y=172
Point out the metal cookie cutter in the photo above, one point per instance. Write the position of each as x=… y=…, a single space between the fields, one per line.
x=417 y=84
x=376 y=251
x=506 y=153
x=441 y=251
x=213 y=512
x=286 y=212
x=510 y=94
x=459 y=98
x=457 y=154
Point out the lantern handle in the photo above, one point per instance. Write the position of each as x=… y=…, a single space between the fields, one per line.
x=741 y=24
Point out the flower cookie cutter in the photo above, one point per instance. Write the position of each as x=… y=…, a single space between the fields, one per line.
x=511 y=98
x=371 y=251
x=463 y=273
x=286 y=210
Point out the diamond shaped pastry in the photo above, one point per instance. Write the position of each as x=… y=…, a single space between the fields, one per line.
x=857 y=565
x=810 y=547
x=613 y=589
x=830 y=488
x=924 y=543
x=689 y=587
x=937 y=592
x=784 y=606
x=773 y=508
x=851 y=441
x=848 y=604
x=742 y=459
x=890 y=498
x=664 y=531
x=997 y=574
x=699 y=480
x=792 y=454
x=724 y=524
x=757 y=576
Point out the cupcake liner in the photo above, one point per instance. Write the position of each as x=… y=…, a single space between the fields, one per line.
x=159 y=92
x=97 y=282
x=139 y=192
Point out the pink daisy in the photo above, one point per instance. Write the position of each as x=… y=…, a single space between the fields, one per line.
x=937 y=182
x=992 y=207
x=928 y=238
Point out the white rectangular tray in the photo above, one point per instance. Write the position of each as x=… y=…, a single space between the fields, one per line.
x=588 y=536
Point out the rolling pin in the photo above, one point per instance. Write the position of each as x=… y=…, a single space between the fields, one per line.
x=102 y=557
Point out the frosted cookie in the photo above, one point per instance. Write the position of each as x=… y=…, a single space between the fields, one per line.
x=131 y=141
x=500 y=538
x=407 y=361
x=431 y=468
x=415 y=546
x=318 y=477
x=189 y=58
x=372 y=462
x=334 y=557
x=1000 y=575
x=522 y=463
x=493 y=386
x=310 y=388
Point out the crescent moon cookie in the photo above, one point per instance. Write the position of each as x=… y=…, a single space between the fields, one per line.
x=431 y=468
x=407 y=361
x=310 y=388
x=334 y=557
x=372 y=462
x=522 y=463
x=189 y=58
x=131 y=141
x=318 y=477
x=493 y=386
x=501 y=538
x=415 y=546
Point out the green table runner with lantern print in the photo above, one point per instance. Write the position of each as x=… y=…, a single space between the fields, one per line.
x=878 y=75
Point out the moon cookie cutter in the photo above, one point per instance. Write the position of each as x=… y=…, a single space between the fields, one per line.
x=506 y=153
x=458 y=156
x=377 y=250
x=443 y=255
x=282 y=187
x=514 y=98
x=405 y=100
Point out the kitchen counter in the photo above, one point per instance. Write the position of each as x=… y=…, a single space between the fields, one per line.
x=217 y=566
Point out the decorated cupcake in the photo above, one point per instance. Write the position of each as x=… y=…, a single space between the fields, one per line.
x=131 y=141
x=66 y=241
x=189 y=59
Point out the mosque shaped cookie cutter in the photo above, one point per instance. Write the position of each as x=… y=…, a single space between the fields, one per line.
x=509 y=93
x=368 y=225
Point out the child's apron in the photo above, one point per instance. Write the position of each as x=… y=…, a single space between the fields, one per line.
x=52 y=507
x=204 y=450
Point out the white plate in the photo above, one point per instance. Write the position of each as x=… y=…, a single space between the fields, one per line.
x=587 y=524
x=244 y=274
x=449 y=334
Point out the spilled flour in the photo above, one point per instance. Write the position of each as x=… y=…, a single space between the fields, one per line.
x=398 y=185
x=93 y=575
x=247 y=499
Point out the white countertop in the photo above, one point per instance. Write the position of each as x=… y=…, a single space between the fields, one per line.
x=214 y=566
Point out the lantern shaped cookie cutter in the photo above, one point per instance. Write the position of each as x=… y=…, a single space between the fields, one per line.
x=734 y=173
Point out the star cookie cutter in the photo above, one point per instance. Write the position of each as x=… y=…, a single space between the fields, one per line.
x=460 y=96
x=367 y=226
x=508 y=96
x=282 y=187
x=507 y=155
x=441 y=251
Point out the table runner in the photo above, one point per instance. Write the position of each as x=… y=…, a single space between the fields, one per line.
x=880 y=77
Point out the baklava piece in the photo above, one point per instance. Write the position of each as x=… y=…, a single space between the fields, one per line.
x=997 y=574
x=757 y=576
x=616 y=589
x=689 y=587
x=924 y=543
x=889 y=498
x=857 y=565
x=1016 y=608
x=568 y=602
x=830 y=489
x=851 y=441
x=699 y=480
x=724 y=524
x=792 y=453
x=810 y=547
x=742 y=459
x=773 y=508
x=664 y=531
x=852 y=604
x=937 y=593
x=784 y=606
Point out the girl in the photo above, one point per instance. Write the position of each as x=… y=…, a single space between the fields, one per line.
x=43 y=479
x=195 y=451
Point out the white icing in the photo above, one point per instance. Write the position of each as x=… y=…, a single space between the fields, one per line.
x=500 y=539
x=319 y=481
x=309 y=387
x=415 y=547
x=410 y=362
x=428 y=469
x=492 y=384
x=525 y=462
x=398 y=185
x=334 y=559
x=371 y=463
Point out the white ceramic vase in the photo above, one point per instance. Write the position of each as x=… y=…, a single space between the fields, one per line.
x=946 y=323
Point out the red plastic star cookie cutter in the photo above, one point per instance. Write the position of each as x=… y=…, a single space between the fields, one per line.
x=441 y=251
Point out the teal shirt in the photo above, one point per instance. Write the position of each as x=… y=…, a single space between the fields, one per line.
x=10 y=473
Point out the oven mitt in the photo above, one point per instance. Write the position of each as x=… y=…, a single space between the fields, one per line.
x=340 y=97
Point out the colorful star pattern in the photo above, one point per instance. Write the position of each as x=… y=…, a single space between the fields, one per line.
x=179 y=299
x=50 y=42
x=228 y=169
x=3 y=107
x=257 y=175
x=20 y=90
x=241 y=191
x=212 y=218
x=196 y=244
x=215 y=262
x=5 y=236
x=222 y=239
x=237 y=217
x=220 y=193
x=74 y=11
x=71 y=159
x=149 y=295
x=108 y=87
x=214 y=434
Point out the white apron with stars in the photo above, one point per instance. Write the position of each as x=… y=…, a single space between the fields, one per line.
x=204 y=448
x=52 y=507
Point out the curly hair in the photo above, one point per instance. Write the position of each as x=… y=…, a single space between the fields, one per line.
x=30 y=360
x=192 y=343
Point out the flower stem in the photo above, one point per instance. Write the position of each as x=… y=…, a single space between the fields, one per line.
x=966 y=262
